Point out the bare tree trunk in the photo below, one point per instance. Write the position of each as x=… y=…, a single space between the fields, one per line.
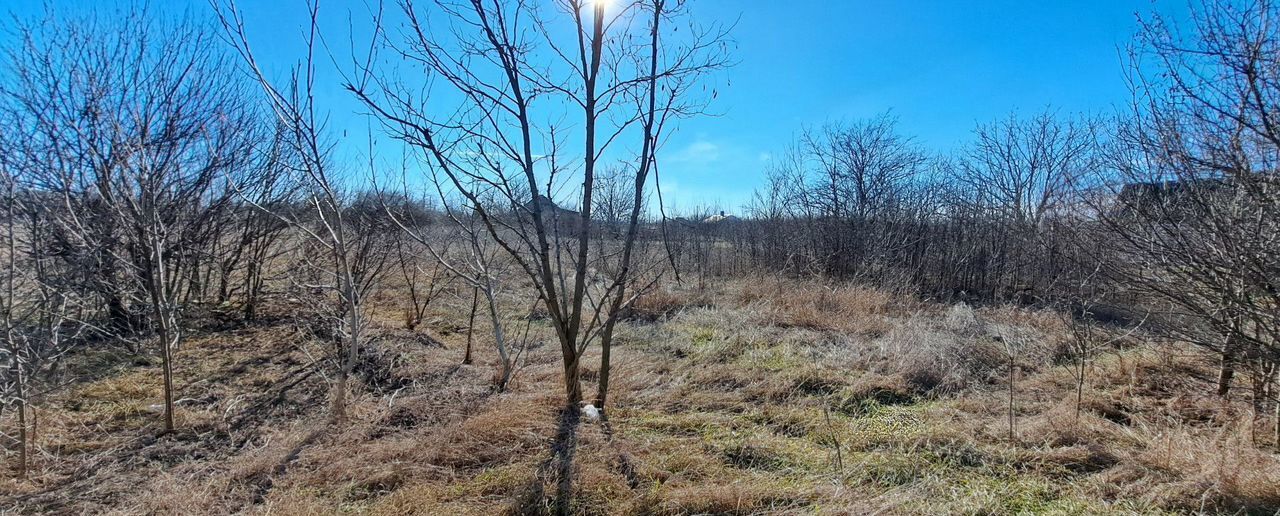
x=572 y=380
x=251 y=286
x=1256 y=397
x=1269 y=393
x=1227 y=369
x=22 y=420
x=646 y=161
x=1012 y=374
x=471 y=324
x=1261 y=394
x=166 y=359
x=1082 y=366
x=224 y=283
x=500 y=340
x=338 y=407
x=8 y=303
x=348 y=359
x=162 y=311
x=606 y=346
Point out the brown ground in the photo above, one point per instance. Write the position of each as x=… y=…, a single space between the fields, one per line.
x=756 y=397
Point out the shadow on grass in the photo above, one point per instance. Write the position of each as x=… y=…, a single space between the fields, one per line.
x=557 y=469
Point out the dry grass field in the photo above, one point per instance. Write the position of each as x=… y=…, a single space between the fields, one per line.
x=767 y=396
x=820 y=258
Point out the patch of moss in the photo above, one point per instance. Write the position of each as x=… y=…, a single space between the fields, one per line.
x=701 y=336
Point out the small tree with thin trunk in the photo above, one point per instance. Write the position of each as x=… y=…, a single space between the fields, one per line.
x=478 y=262
x=350 y=263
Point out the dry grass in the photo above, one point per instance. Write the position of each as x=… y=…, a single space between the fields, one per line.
x=849 y=309
x=777 y=396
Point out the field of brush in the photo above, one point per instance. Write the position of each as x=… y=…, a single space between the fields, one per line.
x=748 y=397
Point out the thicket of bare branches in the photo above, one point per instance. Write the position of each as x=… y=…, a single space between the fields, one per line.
x=132 y=144
x=1193 y=220
x=860 y=200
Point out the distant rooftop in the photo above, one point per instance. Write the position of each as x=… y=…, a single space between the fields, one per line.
x=722 y=217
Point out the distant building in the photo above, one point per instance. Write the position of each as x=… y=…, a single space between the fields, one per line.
x=550 y=208
x=556 y=218
x=1169 y=200
x=722 y=217
x=1180 y=200
x=683 y=222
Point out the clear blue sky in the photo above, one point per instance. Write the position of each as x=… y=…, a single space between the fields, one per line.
x=939 y=66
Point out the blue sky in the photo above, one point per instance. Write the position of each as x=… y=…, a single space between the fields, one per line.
x=939 y=66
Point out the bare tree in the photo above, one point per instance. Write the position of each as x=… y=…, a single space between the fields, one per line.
x=1190 y=196
x=254 y=236
x=139 y=139
x=38 y=311
x=424 y=284
x=479 y=264
x=511 y=65
x=1019 y=179
x=13 y=308
x=863 y=166
x=352 y=263
x=1029 y=167
x=858 y=174
x=613 y=202
x=1088 y=337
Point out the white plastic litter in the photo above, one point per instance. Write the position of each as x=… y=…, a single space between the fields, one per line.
x=592 y=413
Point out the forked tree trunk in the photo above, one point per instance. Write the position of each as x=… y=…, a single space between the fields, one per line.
x=500 y=341
x=572 y=380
